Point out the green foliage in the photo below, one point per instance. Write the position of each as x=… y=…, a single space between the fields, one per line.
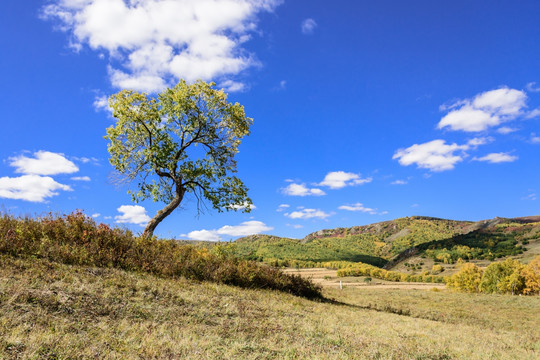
x=484 y=244
x=372 y=244
x=289 y=252
x=77 y=239
x=184 y=141
x=503 y=277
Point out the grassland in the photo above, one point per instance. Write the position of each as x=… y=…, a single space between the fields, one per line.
x=50 y=310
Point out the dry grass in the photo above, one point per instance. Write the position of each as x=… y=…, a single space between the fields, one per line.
x=55 y=311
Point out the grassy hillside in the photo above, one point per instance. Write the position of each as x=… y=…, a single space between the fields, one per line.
x=426 y=240
x=50 y=310
x=490 y=240
x=76 y=239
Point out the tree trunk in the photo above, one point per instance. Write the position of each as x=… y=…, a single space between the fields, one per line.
x=163 y=213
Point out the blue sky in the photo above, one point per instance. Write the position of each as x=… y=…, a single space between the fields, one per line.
x=363 y=111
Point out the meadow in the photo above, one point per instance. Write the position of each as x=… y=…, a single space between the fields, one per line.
x=64 y=298
x=50 y=310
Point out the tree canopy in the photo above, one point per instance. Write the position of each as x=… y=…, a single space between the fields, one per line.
x=183 y=141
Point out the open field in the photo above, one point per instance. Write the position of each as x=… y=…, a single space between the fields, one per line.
x=55 y=311
x=329 y=278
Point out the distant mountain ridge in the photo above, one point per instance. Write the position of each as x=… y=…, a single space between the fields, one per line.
x=389 y=242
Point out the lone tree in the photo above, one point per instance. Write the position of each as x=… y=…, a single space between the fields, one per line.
x=182 y=141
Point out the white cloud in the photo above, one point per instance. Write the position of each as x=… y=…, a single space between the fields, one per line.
x=399 y=182
x=434 y=155
x=101 y=103
x=85 y=160
x=340 y=179
x=301 y=190
x=44 y=163
x=132 y=214
x=153 y=43
x=283 y=207
x=535 y=139
x=497 y=158
x=485 y=110
x=243 y=206
x=295 y=226
x=531 y=196
x=532 y=87
x=308 y=26
x=204 y=235
x=244 y=229
x=32 y=188
x=308 y=214
x=358 y=207
x=533 y=114
x=96 y=215
x=81 y=178
x=232 y=86
x=506 y=130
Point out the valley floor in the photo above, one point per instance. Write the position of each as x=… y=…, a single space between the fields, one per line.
x=55 y=311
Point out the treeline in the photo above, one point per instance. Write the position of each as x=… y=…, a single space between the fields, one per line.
x=504 y=277
x=339 y=264
x=372 y=271
x=76 y=239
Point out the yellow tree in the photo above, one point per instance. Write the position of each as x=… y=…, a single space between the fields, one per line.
x=531 y=273
x=466 y=279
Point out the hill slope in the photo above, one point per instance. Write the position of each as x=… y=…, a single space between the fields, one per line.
x=399 y=239
x=54 y=311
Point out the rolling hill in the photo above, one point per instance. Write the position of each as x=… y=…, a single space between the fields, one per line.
x=425 y=240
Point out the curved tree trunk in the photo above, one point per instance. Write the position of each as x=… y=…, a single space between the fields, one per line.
x=162 y=214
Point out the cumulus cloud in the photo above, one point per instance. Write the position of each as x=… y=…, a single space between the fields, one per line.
x=485 y=110
x=33 y=188
x=43 y=163
x=340 y=179
x=244 y=229
x=294 y=189
x=96 y=215
x=436 y=155
x=153 y=43
x=132 y=214
x=308 y=26
x=308 y=214
x=358 y=207
x=204 y=235
x=495 y=158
